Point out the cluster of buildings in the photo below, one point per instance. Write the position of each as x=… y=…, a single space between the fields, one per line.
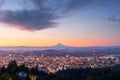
x=56 y=63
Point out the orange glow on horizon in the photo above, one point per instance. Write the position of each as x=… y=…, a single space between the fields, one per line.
x=15 y=37
x=77 y=43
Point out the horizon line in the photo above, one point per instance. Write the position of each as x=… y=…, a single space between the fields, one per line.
x=64 y=45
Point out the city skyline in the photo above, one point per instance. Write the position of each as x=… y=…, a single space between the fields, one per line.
x=69 y=22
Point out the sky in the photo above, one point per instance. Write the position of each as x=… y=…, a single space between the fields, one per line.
x=69 y=22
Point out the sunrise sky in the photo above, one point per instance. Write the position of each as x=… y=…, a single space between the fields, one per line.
x=69 y=22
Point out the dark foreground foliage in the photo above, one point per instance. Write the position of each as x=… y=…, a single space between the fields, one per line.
x=12 y=72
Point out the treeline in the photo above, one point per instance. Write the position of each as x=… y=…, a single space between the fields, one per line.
x=15 y=72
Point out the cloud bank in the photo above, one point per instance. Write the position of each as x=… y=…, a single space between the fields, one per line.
x=42 y=16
